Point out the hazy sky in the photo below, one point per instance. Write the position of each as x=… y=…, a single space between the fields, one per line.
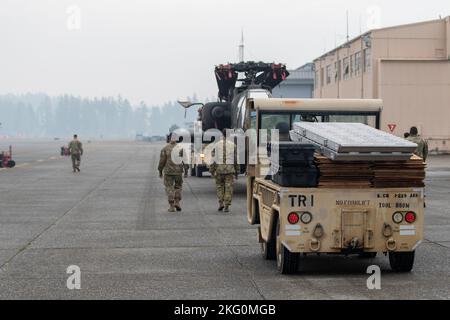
x=162 y=50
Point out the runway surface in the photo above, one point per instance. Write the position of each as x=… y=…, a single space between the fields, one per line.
x=111 y=220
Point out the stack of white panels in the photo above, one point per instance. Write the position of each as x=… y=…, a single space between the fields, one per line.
x=352 y=141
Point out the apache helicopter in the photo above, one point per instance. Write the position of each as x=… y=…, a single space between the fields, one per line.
x=237 y=82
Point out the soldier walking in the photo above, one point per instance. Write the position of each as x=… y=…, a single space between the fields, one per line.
x=76 y=151
x=224 y=170
x=422 y=144
x=172 y=174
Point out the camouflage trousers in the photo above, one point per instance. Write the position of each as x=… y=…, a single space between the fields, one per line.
x=224 y=184
x=174 y=187
x=76 y=160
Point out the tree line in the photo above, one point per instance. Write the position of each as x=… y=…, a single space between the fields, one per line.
x=40 y=115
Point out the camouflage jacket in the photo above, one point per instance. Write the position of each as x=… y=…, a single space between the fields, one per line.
x=166 y=163
x=226 y=156
x=75 y=147
x=422 y=146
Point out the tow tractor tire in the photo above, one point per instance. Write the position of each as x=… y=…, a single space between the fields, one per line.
x=367 y=255
x=269 y=248
x=11 y=164
x=256 y=219
x=401 y=261
x=287 y=262
x=198 y=172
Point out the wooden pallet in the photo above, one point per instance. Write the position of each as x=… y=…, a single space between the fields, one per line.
x=409 y=173
x=370 y=174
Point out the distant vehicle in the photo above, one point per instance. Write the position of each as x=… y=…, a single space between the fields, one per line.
x=6 y=160
x=65 y=151
x=155 y=138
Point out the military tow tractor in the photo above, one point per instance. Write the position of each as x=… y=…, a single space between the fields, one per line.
x=65 y=151
x=334 y=216
x=6 y=159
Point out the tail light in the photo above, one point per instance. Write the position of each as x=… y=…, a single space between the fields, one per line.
x=293 y=218
x=410 y=217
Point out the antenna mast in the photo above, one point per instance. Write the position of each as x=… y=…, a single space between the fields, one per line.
x=241 y=47
x=348 y=37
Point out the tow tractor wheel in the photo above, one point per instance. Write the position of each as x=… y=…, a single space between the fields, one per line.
x=269 y=248
x=287 y=262
x=11 y=163
x=401 y=261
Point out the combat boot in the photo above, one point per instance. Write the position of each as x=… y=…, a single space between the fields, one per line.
x=177 y=206
x=221 y=206
x=171 y=208
x=226 y=209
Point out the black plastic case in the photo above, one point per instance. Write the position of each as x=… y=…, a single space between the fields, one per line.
x=302 y=177
x=292 y=153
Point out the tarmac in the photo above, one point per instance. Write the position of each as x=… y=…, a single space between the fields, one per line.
x=111 y=221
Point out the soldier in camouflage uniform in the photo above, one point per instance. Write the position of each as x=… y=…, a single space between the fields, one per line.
x=76 y=151
x=224 y=171
x=172 y=174
x=422 y=144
